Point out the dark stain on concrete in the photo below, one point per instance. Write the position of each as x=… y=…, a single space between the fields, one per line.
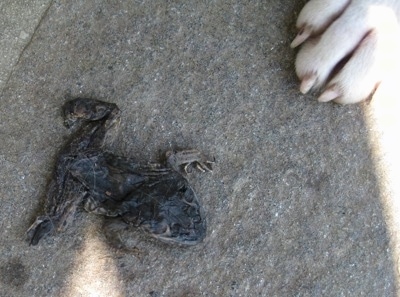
x=14 y=273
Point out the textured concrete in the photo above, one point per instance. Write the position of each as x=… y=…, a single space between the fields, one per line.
x=293 y=206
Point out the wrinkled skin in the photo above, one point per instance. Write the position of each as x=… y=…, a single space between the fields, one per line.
x=154 y=197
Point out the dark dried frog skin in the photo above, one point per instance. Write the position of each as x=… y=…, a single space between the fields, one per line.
x=154 y=197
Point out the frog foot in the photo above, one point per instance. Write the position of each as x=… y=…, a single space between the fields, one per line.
x=187 y=158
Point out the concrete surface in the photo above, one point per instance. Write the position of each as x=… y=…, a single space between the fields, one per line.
x=294 y=206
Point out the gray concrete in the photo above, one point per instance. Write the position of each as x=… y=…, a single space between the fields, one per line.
x=293 y=205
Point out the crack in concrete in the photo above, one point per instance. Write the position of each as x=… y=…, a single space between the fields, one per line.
x=44 y=14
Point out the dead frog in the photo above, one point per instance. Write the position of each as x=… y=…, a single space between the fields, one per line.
x=154 y=197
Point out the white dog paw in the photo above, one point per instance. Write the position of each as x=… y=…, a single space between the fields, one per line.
x=349 y=46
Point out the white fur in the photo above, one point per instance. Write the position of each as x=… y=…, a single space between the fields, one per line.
x=310 y=22
x=369 y=28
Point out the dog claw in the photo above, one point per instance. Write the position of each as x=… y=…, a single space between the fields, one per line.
x=302 y=36
x=329 y=94
x=307 y=83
